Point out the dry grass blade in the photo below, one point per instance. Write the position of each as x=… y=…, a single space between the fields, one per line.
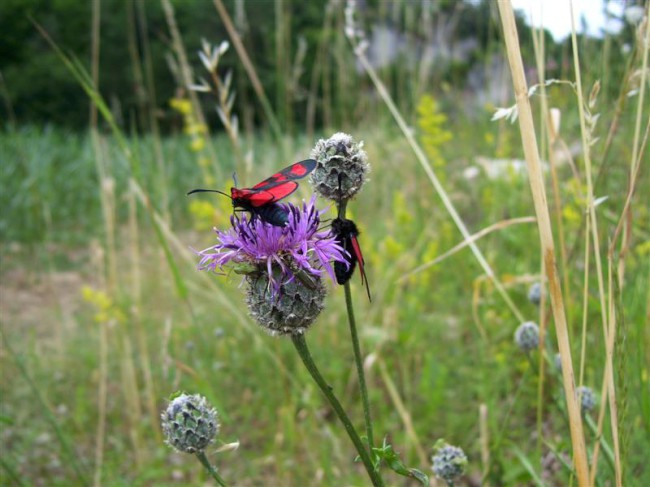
x=531 y=152
x=480 y=234
x=250 y=69
x=359 y=50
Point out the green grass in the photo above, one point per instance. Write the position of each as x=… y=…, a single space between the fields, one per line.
x=77 y=215
x=422 y=328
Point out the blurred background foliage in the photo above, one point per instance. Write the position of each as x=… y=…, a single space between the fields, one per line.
x=463 y=35
x=100 y=292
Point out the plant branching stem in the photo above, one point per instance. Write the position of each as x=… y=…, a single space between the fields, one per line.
x=302 y=349
x=208 y=466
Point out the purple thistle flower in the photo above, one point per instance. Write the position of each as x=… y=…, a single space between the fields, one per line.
x=298 y=246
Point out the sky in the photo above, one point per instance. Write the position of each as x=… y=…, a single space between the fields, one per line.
x=555 y=15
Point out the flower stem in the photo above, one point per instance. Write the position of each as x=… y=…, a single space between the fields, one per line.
x=213 y=471
x=302 y=349
x=357 y=349
x=359 y=363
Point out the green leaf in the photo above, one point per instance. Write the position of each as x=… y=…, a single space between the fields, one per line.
x=528 y=466
x=388 y=455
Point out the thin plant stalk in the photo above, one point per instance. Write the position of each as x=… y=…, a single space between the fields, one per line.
x=359 y=363
x=608 y=329
x=635 y=161
x=136 y=293
x=585 y=306
x=302 y=349
x=484 y=435
x=101 y=403
x=103 y=333
x=536 y=178
x=211 y=470
x=250 y=69
x=357 y=350
x=428 y=169
x=149 y=86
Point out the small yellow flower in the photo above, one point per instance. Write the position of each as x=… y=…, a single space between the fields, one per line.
x=197 y=144
x=106 y=310
x=181 y=105
x=432 y=122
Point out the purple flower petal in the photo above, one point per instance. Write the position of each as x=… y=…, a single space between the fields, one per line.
x=298 y=242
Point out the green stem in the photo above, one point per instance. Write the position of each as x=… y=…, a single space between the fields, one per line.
x=302 y=349
x=208 y=466
x=359 y=362
x=357 y=350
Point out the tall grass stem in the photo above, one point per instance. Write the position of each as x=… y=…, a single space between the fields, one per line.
x=250 y=69
x=428 y=169
x=536 y=177
x=611 y=327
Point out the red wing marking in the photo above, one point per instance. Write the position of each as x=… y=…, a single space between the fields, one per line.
x=362 y=271
x=257 y=197
x=296 y=171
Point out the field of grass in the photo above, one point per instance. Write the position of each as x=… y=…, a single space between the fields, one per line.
x=104 y=314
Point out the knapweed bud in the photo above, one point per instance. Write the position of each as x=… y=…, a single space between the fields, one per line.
x=342 y=167
x=527 y=336
x=587 y=399
x=289 y=309
x=189 y=423
x=449 y=463
x=535 y=293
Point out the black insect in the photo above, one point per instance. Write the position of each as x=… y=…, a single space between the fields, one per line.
x=346 y=232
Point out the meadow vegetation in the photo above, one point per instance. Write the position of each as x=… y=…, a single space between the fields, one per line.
x=104 y=314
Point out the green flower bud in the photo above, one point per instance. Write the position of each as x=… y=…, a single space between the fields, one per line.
x=289 y=310
x=449 y=462
x=587 y=399
x=189 y=423
x=527 y=336
x=342 y=167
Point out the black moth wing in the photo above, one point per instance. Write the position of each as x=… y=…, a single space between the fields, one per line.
x=343 y=230
x=346 y=232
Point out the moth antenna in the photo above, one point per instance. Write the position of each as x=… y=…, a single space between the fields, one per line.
x=208 y=191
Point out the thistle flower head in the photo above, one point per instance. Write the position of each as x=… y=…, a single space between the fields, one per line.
x=535 y=293
x=449 y=462
x=292 y=309
x=342 y=167
x=527 y=336
x=189 y=423
x=296 y=247
x=587 y=399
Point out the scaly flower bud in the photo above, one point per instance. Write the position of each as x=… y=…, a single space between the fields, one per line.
x=189 y=423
